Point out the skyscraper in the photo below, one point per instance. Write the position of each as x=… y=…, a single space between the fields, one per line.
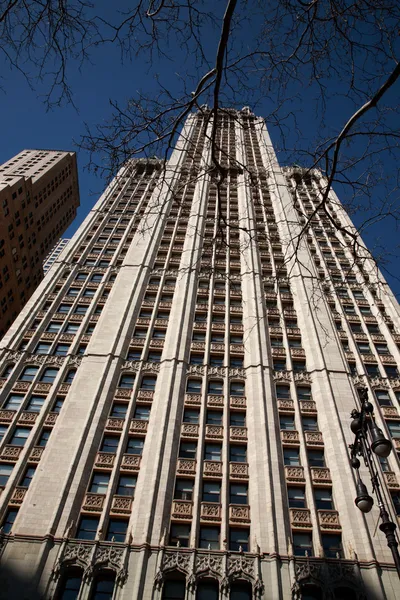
x=54 y=254
x=39 y=196
x=176 y=393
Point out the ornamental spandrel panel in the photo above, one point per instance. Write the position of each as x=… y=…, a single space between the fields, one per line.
x=236 y=348
x=213 y=400
x=93 y=502
x=294 y=474
x=217 y=347
x=18 y=495
x=104 y=460
x=6 y=416
x=137 y=341
x=181 y=509
x=21 y=386
x=138 y=426
x=210 y=511
x=390 y=412
x=391 y=480
x=147 y=395
x=238 y=470
x=131 y=462
x=51 y=419
x=64 y=388
x=285 y=405
x=156 y=343
x=212 y=468
x=328 y=519
x=123 y=393
x=36 y=454
x=314 y=438
x=193 y=399
x=190 y=430
x=114 y=424
x=27 y=418
x=239 y=513
x=300 y=518
x=198 y=346
x=387 y=359
x=238 y=402
x=321 y=475
x=215 y=432
x=290 y=438
x=238 y=434
x=308 y=407
x=11 y=453
x=239 y=564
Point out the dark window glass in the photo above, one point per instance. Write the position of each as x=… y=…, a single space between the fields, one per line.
x=302 y=544
x=134 y=446
x=103 y=587
x=44 y=437
x=332 y=545
x=179 y=532
x=296 y=496
x=238 y=453
x=174 y=590
x=187 y=450
x=87 y=528
x=323 y=498
x=109 y=444
x=209 y=538
x=183 y=489
x=237 y=419
x=5 y=472
x=238 y=539
x=49 y=375
x=28 y=374
x=238 y=493
x=316 y=458
x=70 y=586
x=211 y=491
x=9 y=519
x=117 y=530
x=126 y=381
x=191 y=415
x=126 y=485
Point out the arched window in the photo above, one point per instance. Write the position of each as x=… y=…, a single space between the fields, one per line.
x=311 y=592
x=70 y=376
x=193 y=386
x=103 y=586
x=8 y=370
x=29 y=373
x=49 y=375
x=241 y=590
x=174 y=589
x=215 y=386
x=345 y=593
x=236 y=388
x=70 y=584
x=207 y=590
x=148 y=383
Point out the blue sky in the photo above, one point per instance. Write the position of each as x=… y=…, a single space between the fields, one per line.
x=27 y=124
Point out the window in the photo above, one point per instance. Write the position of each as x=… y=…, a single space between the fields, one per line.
x=356 y=328
x=365 y=310
x=49 y=375
x=238 y=493
x=87 y=528
x=382 y=348
x=191 y=415
x=9 y=519
x=148 y=383
x=196 y=359
x=153 y=356
x=198 y=337
x=236 y=388
x=183 y=489
x=42 y=348
x=64 y=308
x=287 y=422
x=81 y=277
x=363 y=348
x=8 y=370
x=238 y=453
x=126 y=485
x=323 y=498
x=216 y=360
x=209 y=538
x=116 y=530
x=383 y=398
x=174 y=590
x=35 y=403
x=179 y=533
x=62 y=349
x=396 y=501
x=81 y=349
x=303 y=393
x=188 y=450
x=238 y=539
x=236 y=361
x=28 y=374
x=215 y=387
x=212 y=452
x=302 y=544
x=134 y=354
x=316 y=458
x=291 y=457
x=3 y=430
x=99 y=483
x=13 y=402
x=89 y=293
x=20 y=436
x=394 y=428
x=44 y=438
x=142 y=413
x=126 y=381
x=332 y=545
x=71 y=584
x=296 y=496
x=109 y=444
x=372 y=370
x=211 y=491
x=283 y=392
x=57 y=406
x=237 y=419
x=193 y=386
x=103 y=587
x=96 y=277
x=241 y=590
x=207 y=590
x=70 y=376
x=135 y=446
x=374 y=329
x=5 y=472
x=299 y=365
x=159 y=334
x=349 y=309
x=236 y=339
x=279 y=364
x=391 y=372
x=71 y=328
x=309 y=423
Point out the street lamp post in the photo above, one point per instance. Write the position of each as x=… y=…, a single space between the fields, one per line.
x=369 y=438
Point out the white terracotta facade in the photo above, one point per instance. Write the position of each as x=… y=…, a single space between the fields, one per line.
x=176 y=394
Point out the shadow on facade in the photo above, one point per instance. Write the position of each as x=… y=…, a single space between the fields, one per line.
x=16 y=586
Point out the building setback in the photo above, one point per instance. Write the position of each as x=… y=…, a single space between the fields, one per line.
x=39 y=196
x=175 y=407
